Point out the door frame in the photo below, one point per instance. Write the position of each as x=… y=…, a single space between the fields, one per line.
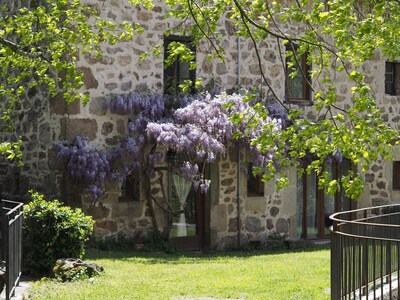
x=320 y=202
x=194 y=243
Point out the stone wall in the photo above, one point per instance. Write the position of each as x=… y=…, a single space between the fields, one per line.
x=119 y=71
x=258 y=216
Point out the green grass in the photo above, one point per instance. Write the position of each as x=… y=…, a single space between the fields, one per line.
x=295 y=275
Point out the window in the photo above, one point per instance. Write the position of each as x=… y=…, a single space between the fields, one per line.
x=255 y=186
x=130 y=188
x=314 y=206
x=297 y=87
x=392 y=82
x=178 y=71
x=396 y=175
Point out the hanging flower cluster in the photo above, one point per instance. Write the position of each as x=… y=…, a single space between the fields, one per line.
x=85 y=164
x=203 y=128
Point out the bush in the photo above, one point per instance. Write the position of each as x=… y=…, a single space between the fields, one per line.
x=52 y=231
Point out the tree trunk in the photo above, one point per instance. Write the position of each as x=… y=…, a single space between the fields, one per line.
x=147 y=187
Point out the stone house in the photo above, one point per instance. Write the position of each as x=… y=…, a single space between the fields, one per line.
x=239 y=209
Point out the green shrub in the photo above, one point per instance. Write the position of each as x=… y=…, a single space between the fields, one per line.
x=52 y=231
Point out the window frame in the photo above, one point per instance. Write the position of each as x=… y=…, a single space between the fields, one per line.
x=133 y=181
x=341 y=202
x=302 y=62
x=396 y=175
x=392 y=85
x=174 y=69
x=259 y=185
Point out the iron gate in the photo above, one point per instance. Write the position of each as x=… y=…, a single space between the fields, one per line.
x=11 y=238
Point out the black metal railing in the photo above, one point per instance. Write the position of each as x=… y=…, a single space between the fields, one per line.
x=11 y=213
x=365 y=253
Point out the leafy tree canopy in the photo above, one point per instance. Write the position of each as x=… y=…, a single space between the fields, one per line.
x=338 y=37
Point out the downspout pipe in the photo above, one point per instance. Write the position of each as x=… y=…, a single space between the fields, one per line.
x=238 y=157
x=238 y=197
x=238 y=62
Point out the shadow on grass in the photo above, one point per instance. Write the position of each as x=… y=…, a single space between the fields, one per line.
x=182 y=257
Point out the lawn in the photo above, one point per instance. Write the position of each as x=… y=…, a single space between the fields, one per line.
x=231 y=275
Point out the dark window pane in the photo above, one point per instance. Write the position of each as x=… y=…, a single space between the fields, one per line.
x=179 y=71
x=390 y=78
x=255 y=186
x=314 y=206
x=298 y=87
x=389 y=67
x=130 y=189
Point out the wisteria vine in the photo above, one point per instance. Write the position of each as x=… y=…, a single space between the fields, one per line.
x=86 y=164
x=199 y=126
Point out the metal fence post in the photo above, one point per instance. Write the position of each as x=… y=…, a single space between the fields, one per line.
x=2 y=229
x=335 y=263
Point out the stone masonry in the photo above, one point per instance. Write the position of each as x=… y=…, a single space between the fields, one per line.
x=45 y=122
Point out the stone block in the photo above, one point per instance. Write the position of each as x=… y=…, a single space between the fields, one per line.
x=113 y=141
x=256 y=204
x=218 y=219
x=98 y=211
x=230 y=190
x=111 y=86
x=270 y=56
x=282 y=226
x=232 y=226
x=254 y=69
x=144 y=222
x=53 y=162
x=98 y=106
x=132 y=225
x=126 y=86
x=381 y=185
x=227 y=181
x=369 y=177
x=107 y=128
x=110 y=226
x=114 y=50
x=274 y=211
x=253 y=224
x=124 y=60
x=230 y=27
x=144 y=65
x=88 y=78
x=58 y=106
x=126 y=209
x=86 y=128
x=44 y=133
x=221 y=68
x=228 y=242
x=144 y=16
x=270 y=224
x=105 y=60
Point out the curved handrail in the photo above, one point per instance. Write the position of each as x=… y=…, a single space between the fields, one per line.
x=365 y=252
